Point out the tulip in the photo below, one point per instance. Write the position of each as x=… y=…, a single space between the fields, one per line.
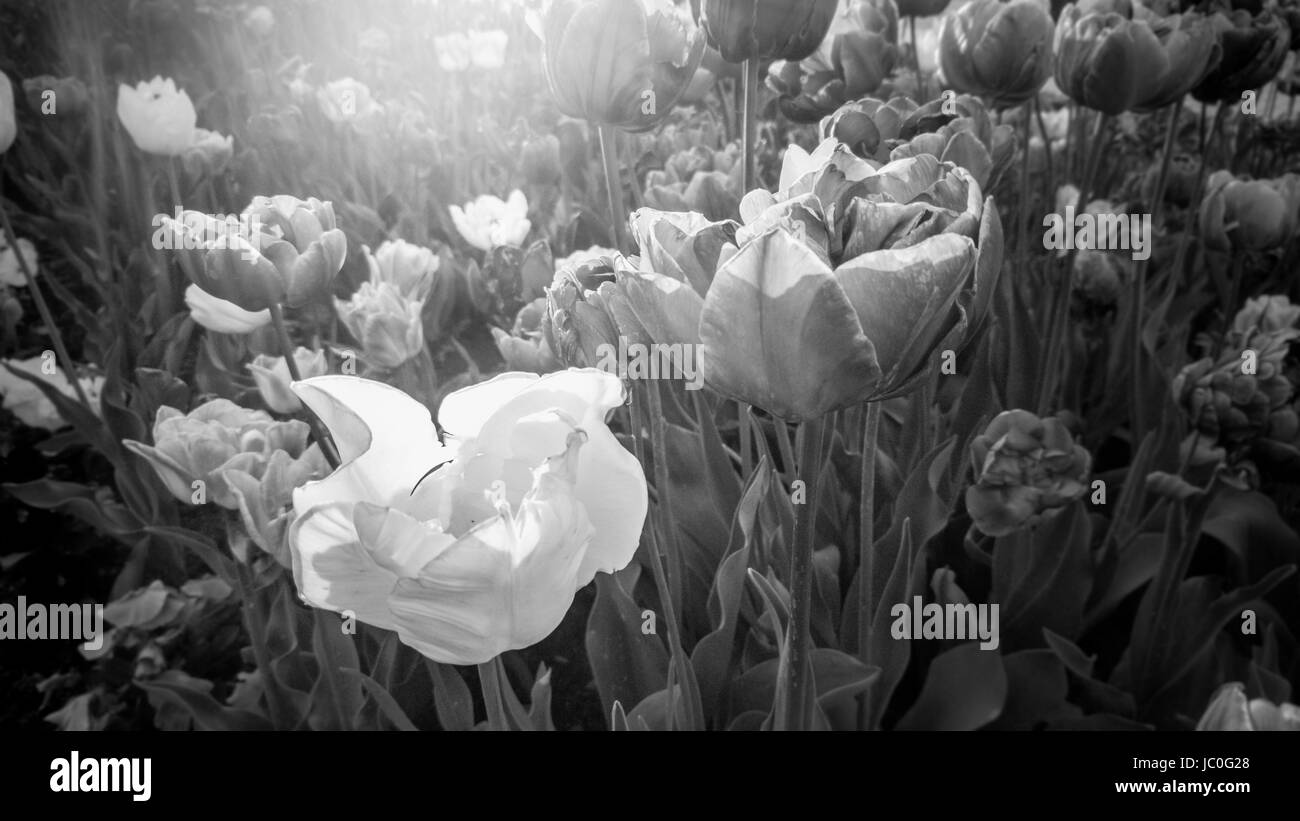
x=1027 y=469
x=1107 y=62
x=1253 y=49
x=869 y=127
x=291 y=253
x=487 y=221
x=485 y=553
x=67 y=95
x=1252 y=215
x=1099 y=276
x=998 y=50
x=1190 y=47
x=577 y=321
x=386 y=323
x=159 y=118
x=766 y=29
x=8 y=124
x=525 y=347
x=264 y=500
x=622 y=63
x=222 y=316
x=408 y=267
x=208 y=154
x=27 y=402
x=271 y=375
x=488 y=48
x=11 y=272
x=348 y=101
x=853 y=61
x=1229 y=710
x=214 y=438
x=872 y=275
x=970 y=139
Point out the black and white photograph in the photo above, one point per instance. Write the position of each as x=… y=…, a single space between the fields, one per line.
x=648 y=366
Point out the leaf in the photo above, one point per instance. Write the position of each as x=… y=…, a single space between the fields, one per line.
x=1055 y=574
x=965 y=689
x=201 y=545
x=451 y=697
x=207 y=712
x=336 y=701
x=626 y=665
x=387 y=704
x=539 y=707
x=93 y=506
x=1036 y=691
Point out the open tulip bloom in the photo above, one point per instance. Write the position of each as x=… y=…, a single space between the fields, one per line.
x=827 y=298
x=477 y=546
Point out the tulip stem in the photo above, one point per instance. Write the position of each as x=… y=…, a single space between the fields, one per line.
x=1056 y=343
x=1022 y=243
x=812 y=448
x=749 y=127
x=1138 y=298
x=916 y=64
x=613 y=184
x=327 y=446
x=867 y=530
x=1047 y=152
x=44 y=309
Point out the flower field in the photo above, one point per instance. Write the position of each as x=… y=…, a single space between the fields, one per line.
x=649 y=365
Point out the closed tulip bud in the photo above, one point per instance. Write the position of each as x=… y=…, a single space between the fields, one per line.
x=386 y=324
x=998 y=50
x=56 y=96
x=1105 y=61
x=1251 y=215
x=271 y=375
x=8 y=124
x=1099 y=276
x=1229 y=710
x=532 y=497
x=218 y=436
x=766 y=29
x=406 y=266
x=159 y=117
x=623 y=63
x=1253 y=50
x=1190 y=47
x=1027 y=469
x=541 y=160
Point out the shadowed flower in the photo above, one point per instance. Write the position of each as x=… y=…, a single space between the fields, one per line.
x=1252 y=50
x=1027 y=469
x=998 y=50
x=766 y=29
x=532 y=498
x=216 y=437
x=1248 y=215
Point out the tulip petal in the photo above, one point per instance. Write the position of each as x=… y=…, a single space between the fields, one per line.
x=898 y=292
x=333 y=571
x=779 y=332
x=386 y=440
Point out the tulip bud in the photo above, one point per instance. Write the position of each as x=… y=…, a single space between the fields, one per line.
x=209 y=154
x=577 y=321
x=623 y=63
x=1106 y=61
x=760 y=29
x=998 y=50
x=1027 y=469
x=271 y=374
x=1253 y=215
x=406 y=266
x=386 y=324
